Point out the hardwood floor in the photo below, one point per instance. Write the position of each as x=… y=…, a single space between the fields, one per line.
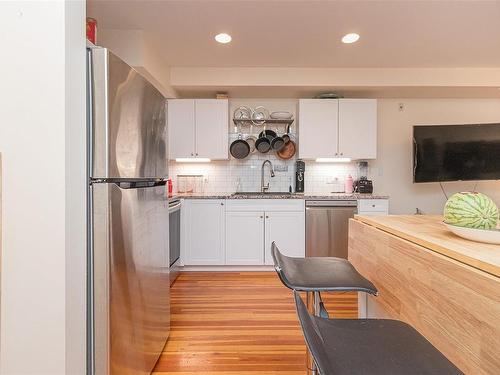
x=238 y=323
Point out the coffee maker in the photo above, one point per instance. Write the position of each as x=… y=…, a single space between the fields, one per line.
x=363 y=185
x=300 y=168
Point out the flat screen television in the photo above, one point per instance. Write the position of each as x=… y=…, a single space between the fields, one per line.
x=456 y=152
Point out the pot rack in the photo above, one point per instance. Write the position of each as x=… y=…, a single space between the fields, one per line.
x=269 y=121
x=270 y=124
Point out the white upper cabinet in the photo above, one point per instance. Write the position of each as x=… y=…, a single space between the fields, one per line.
x=338 y=128
x=212 y=128
x=358 y=128
x=181 y=128
x=318 y=128
x=198 y=128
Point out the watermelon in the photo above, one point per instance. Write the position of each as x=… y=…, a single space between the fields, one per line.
x=471 y=210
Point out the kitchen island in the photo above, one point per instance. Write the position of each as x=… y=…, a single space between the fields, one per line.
x=446 y=287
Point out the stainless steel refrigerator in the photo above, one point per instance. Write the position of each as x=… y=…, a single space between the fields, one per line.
x=129 y=308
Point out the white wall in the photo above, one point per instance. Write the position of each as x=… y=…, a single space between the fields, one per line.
x=76 y=187
x=136 y=49
x=392 y=171
x=42 y=137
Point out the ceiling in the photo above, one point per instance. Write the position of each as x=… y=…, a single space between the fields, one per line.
x=307 y=33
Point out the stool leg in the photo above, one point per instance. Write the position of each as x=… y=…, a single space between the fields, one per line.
x=313 y=300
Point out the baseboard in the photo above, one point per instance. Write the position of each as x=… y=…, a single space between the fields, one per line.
x=226 y=268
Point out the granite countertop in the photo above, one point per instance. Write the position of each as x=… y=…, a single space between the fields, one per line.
x=277 y=195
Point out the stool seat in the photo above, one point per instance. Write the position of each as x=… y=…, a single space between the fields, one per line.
x=319 y=274
x=370 y=346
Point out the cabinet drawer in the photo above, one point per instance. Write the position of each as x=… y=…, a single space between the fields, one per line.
x=373 y=205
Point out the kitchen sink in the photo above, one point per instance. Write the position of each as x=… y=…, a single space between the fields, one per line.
x=255 y=193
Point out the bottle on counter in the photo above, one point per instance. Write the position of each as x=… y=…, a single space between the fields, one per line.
x=348 y=184
x=170 y=187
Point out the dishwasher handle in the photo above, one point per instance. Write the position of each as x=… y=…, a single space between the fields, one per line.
x=332 y=203
x=174 y=207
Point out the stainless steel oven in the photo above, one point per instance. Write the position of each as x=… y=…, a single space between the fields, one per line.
x=174 y=211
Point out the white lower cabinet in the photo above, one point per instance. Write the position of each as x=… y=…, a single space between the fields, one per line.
x=373 y=207
x=244 y=238
x=287 y=230
x=253 y=224
x=203 y=235
x=240 y=232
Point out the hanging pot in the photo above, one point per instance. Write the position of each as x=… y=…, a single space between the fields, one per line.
x=277 y=143
x=286 y=136
x=288 y=150
x=270 y=134
x=251 y=139
x=263 y=144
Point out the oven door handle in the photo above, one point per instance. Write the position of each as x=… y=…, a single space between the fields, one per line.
x=174 y=208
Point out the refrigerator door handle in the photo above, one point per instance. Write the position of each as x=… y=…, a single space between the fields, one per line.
x=139 y=184
x=129 y=183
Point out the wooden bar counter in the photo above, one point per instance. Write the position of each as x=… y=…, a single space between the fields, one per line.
x=446 y=287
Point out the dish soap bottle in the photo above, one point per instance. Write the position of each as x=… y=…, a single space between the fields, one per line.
x=348 y=184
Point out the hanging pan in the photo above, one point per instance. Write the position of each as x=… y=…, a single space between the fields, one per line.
x=240 y=148
x=263 y=144
x=288 y=150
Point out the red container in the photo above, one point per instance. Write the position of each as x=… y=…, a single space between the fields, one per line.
x=170 y=187
x=91 y=29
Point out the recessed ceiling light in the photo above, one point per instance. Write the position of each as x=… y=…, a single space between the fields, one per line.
x=223 y=38
x=350 y=38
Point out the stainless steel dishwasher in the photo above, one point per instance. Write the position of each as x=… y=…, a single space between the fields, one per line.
x=327 y=225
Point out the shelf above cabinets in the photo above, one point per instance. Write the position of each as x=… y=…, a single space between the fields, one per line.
x=270 y=121
x=338 y=128
x=198 y=128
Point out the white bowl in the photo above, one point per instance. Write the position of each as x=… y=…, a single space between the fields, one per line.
x=281 y=115
x=479 y=235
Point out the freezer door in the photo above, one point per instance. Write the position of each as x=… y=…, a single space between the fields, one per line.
x=128 y=121
x=131 y=280
x=327 y=231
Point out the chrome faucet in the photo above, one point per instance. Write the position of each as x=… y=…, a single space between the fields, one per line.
x=264 y=188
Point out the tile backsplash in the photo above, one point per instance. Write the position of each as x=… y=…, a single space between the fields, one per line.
x=245 y=175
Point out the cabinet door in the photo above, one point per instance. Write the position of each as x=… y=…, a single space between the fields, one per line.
x=287 y=229
x=245 y=238
x=358 y=128
x=318 y=128
x=203 y=221
x=181 y=133
x=212 y=128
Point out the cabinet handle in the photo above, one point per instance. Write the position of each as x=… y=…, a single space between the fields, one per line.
x=262 y=217
x=340 y=153
x=222 y=204
x=267 y=217
x=196 y=154
x=336 y=153
x=192 y=154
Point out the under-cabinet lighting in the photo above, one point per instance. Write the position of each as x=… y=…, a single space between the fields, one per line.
x=333 y=160
x=193 y=160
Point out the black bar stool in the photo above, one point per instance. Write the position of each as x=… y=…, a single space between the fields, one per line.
x=319 y=274
x=369 y=346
